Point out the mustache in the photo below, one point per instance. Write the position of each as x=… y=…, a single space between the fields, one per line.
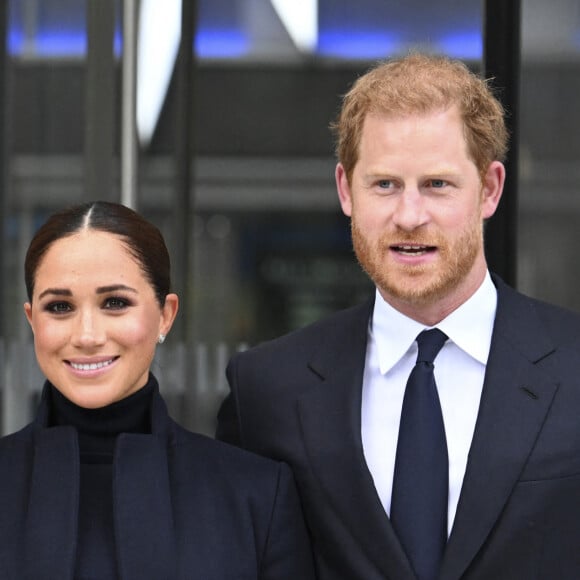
x=418 y=238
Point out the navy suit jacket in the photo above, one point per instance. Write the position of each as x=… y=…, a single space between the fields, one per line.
x=298 y=398
x=185 y=507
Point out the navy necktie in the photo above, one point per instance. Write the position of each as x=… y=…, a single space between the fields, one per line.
x=421 y=478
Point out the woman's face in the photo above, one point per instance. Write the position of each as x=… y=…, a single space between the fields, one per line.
x=95 y=319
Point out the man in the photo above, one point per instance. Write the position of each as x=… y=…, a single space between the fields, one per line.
x=420 y=146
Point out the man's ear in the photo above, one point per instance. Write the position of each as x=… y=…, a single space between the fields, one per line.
x=343 y=188
x=492 y=188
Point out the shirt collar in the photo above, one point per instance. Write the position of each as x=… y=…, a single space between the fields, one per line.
x=470 y=327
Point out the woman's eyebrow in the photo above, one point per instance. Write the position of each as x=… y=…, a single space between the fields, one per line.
x=100 y=290
x=56 y=292
x=115 y=288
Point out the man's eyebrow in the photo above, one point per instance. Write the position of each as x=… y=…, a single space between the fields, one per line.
x=443 y=171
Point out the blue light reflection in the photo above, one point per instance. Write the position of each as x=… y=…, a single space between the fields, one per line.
x=220 y=43
x=357 y=45
x=55 y=44
x=463 y=45
x=231 y=44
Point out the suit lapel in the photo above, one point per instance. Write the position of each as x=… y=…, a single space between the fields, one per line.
x=516 y=397
x=331 y=424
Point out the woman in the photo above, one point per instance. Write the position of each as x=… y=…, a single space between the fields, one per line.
x=103 y=484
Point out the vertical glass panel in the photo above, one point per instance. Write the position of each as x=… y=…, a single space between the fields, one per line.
x=550 y=151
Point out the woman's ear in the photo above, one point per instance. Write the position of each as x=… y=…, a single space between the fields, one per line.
x=28 y=312
x=168 y=313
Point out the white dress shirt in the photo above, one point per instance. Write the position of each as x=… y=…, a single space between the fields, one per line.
x=459 y=373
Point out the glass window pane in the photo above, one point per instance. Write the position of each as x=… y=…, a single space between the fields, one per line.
x=269 y=248
x=550 y=151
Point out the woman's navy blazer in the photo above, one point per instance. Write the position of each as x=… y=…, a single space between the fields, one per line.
x=185 y=507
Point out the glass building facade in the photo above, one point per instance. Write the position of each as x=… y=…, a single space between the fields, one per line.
x=225 y=146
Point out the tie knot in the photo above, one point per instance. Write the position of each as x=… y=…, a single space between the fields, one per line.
x=430 y=343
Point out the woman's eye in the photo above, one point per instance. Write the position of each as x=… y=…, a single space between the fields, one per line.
x=58 y=307
x=116 y=303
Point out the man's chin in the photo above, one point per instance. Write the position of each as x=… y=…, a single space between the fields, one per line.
x=417 y=291
x=411 y=298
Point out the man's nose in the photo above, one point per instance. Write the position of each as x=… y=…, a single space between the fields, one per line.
x=411 y=210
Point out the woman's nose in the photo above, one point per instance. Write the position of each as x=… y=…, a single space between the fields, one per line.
x=88 y=330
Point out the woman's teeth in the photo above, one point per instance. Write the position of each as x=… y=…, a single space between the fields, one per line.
x=91 y=366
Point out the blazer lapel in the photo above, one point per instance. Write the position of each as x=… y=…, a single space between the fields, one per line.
x=51 y=520
x=144 y=529
x=517 y=394
x=331 y=422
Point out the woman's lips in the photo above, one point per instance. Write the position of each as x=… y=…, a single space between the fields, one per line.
x=92 y=365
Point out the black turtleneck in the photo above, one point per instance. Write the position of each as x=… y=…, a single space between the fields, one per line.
x=97 y=432
x=98 y=428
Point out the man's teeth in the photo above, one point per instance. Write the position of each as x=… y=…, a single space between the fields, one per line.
x=412 y=250
x=91 y=366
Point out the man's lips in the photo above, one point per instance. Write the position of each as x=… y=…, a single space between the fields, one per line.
x=412 y=249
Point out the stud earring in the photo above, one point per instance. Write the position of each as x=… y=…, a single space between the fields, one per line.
x=161 y=339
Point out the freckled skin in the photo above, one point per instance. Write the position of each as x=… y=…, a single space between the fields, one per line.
x=414 y=183
x=93 y=304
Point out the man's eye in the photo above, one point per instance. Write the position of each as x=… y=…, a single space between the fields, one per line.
x=437 y=183
x=385 y=183
x=116 y=303
x=58 y=307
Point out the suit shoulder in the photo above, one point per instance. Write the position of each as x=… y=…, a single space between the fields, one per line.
x=511 y=300
x=13 y=442
x=561 y=322
x=224 y=459
x=243 y=477
x=343 y=322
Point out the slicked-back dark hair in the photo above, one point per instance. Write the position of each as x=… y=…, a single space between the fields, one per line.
x=143 y=240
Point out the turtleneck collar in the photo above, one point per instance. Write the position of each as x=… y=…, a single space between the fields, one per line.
x=98 y=428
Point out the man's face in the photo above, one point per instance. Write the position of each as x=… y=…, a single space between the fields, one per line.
x=417 y=205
